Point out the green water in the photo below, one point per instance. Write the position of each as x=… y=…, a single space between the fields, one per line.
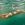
x=8 y=7
x=14 y=20
x=18 y=19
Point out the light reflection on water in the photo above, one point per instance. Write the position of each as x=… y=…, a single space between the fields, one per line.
x=5 y=8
